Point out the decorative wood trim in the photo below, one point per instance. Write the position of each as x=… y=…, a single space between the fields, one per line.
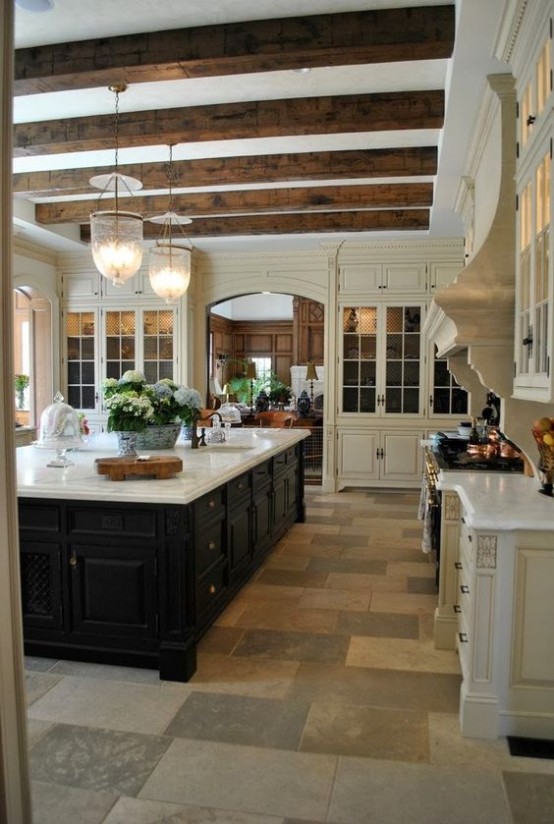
x=485 y=557
x=451 y=506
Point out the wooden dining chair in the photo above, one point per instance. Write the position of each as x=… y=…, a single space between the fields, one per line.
x=276 y=420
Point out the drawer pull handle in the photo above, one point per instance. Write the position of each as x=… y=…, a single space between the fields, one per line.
x=463 y=637
x=465 y=589
x=462 y=519
x=211 y=503
x=240 y=485
x=457 y=608
x=470 y=539
x=212 y=589
x=211 y=545
x=458 y=564
x=73 y=560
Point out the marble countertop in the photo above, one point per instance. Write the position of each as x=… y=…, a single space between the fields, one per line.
x=204 y=469
x=502 y=501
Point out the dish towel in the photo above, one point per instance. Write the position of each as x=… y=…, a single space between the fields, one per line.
x=424 y=514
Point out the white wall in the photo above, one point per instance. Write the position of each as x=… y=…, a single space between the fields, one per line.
x=256 y=307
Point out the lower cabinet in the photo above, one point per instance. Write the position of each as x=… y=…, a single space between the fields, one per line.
x=390 y=457
x=139 y=584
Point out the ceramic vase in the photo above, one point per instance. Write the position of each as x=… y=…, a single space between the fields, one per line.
x=159 y=437
x=127 y=444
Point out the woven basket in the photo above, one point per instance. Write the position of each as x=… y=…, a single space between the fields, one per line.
x=159 y=437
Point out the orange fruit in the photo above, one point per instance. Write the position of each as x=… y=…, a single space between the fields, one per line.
x=543 y=424
x=548 y=439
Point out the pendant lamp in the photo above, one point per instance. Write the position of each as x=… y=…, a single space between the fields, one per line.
x=116 y=235
x=170 y=263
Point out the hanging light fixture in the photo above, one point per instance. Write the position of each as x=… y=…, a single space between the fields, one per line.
x=170 y=263
x=116 y=236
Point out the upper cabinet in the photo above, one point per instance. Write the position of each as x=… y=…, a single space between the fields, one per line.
x=387 y=278
x=534 y=341
x=382 y=359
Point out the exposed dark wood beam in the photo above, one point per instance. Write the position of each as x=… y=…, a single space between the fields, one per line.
x=300 y=223
x=379 y=36
x=316 y=198
x=362 y=163
x=264 y=118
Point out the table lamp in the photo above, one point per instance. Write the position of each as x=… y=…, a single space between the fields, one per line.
x=251 y=376
x=311 y=375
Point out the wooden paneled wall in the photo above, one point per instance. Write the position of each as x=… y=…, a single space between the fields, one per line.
x=287 y=343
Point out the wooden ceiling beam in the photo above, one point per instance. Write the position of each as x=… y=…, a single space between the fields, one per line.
x=236 y=121
x=316 y=198
x=361 y=163
x=298 y=223
x=379 y=36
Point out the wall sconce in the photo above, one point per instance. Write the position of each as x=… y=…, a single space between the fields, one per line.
x=251 y=376
x=311 y=375
x=116 y=236
x=170 y=263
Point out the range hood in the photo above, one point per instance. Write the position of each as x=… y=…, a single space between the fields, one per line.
x=471 y=321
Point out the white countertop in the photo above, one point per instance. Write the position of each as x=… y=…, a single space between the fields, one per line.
x=502 y=501
x=204 y=469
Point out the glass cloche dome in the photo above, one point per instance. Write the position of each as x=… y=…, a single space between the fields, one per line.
x=60 y=430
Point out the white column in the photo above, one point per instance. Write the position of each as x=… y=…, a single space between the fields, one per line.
x=15 y=804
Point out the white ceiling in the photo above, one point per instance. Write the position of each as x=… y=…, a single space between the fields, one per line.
x=463 y=76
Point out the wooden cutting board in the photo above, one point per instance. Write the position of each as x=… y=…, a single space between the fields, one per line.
x=117 y=469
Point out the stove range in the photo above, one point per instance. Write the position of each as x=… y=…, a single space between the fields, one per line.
x=452 y=454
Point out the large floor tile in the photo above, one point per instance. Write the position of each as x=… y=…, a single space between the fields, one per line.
x=306 y=549
x=344 y=565
x=115 y=705
x=403 y=602
x=244 y=676
x=401 y=654
x=56 y=804
x=387 y=625
x=249 y=779
x=237 y=719
x=365 y=583
x=292 y=646
x=38 y=684
x=220 y=640
x=141 y=811
x=94 y=759
x=374 y=792
x=292 y=578
x=106 y=672
x=430 y=692
x=335 y=599
x=531 y=797
x=343 y=729
x=277 y=617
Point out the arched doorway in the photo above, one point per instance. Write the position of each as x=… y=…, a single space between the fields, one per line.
x=34 y=358
x=280 y=334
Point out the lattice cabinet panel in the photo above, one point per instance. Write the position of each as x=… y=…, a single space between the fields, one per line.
x=80 y=347
x=158 y=346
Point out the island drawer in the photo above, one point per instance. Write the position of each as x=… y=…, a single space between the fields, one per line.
x=34 y=517
x=209 y=543
x=239 y=489
x=284 y=460
x=261 y=476
x=210 y=589
x=211 y=505
x=131 y=522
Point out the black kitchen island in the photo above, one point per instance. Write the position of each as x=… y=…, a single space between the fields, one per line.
x=134 y=572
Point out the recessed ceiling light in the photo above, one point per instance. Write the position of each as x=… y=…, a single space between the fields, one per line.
x=35 y=5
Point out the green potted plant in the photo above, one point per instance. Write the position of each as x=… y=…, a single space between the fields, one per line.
x=21 y=382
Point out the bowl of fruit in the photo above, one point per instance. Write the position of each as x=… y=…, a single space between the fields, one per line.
x=543 y=433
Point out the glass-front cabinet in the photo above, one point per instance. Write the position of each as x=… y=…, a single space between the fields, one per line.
x=534 y=338
x=446 y=397
x=382 y=363
x=105 y=343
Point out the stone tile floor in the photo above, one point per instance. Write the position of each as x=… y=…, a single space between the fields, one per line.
x=319 y=697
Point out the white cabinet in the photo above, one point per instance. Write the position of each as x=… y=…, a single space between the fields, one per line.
x=442 y=274
x=505 y=637
x=381 y=355
x=534 y=336
x=392 y=457
x=397 y=277
x=104 y=342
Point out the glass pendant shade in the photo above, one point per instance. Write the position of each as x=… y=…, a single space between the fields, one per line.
x=169 y=270
x=116 y=241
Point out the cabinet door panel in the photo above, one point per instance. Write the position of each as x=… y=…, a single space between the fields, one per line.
x=357 y=458
x=239 y=537
x=41 y=597
x=404 y=277
x=402 y=455
x=113 y=591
